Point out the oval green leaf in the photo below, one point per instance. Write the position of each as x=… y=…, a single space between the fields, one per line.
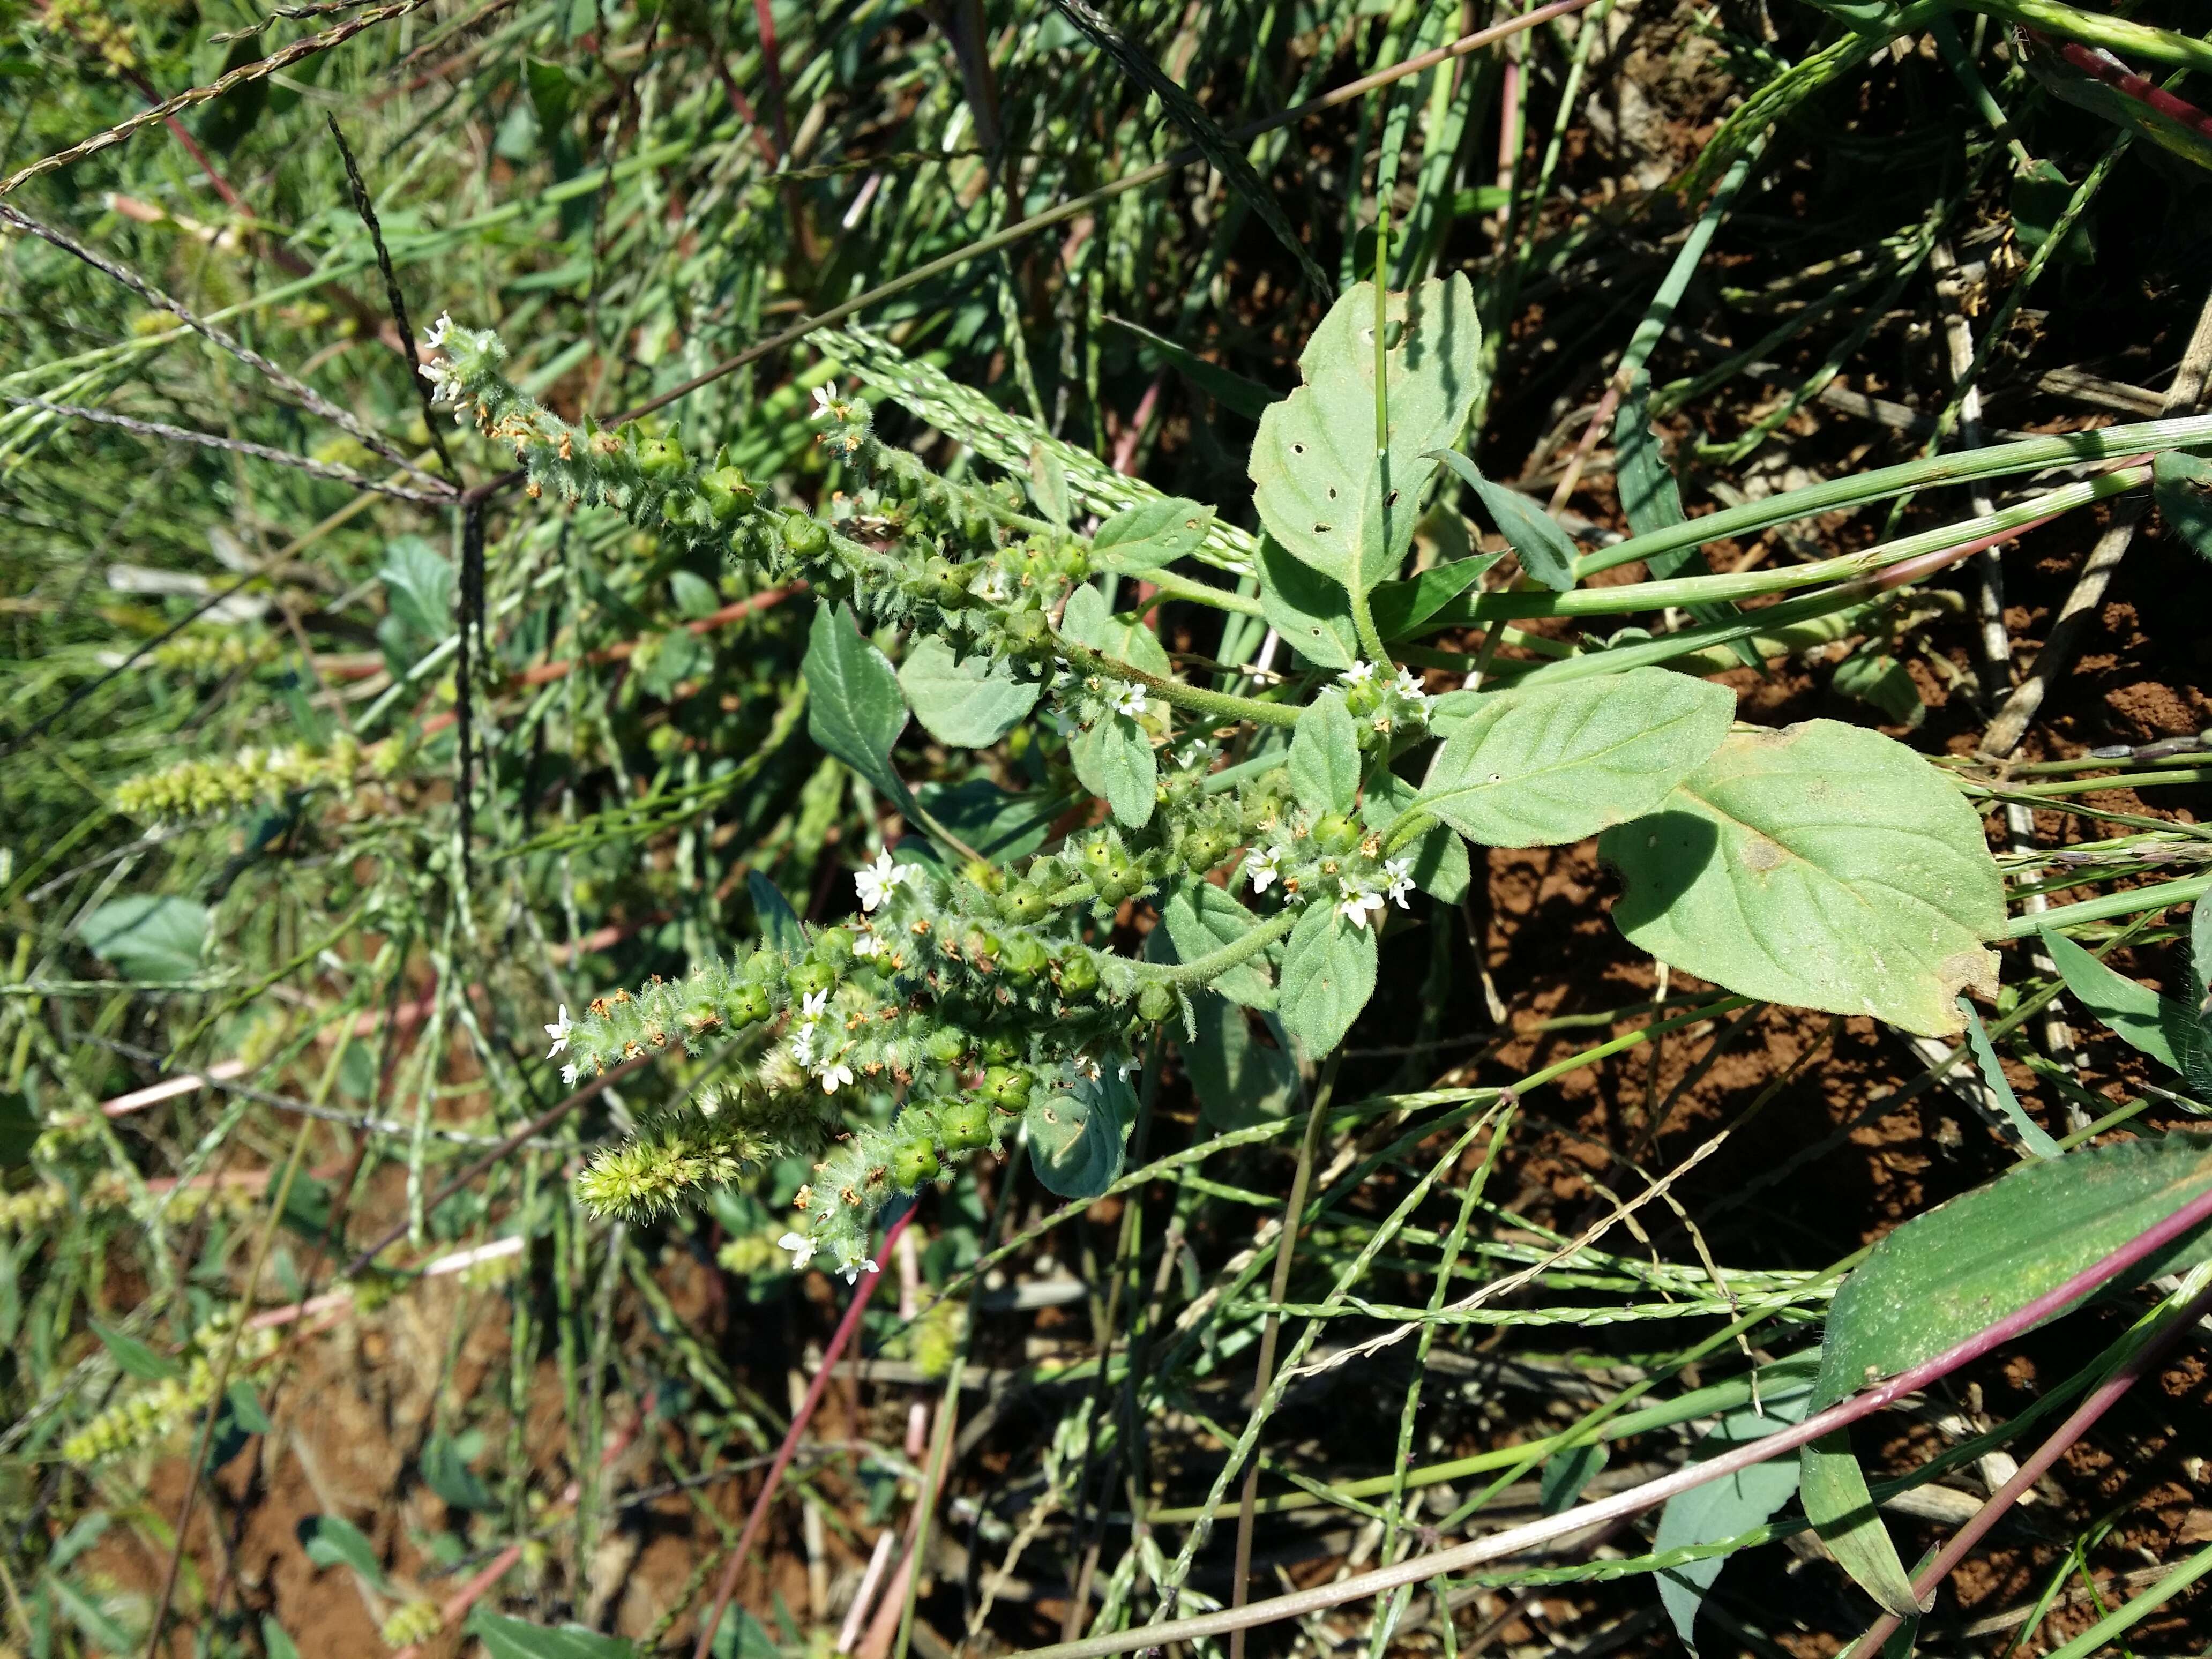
x=1328 y=973
x=970 y=703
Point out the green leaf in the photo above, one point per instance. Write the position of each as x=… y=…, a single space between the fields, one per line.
x=695 y=596
x=1048 y=485
x=275 y=1643
x=1550 y=765
x=133 y=1356
x=855 y=709
x=334 y=1541
x=1567 y=1471
x=1883 y=683
x=2183 y=486
x=1400 y=608
x=245 y=1409
x=1316 y=481
x=1547 y=552
x=2134 y=1013
x=418 y=587
x=1957 y=1269
x=516 y=1638
x=1310 y=612
x=447 y=1472
x=970 y=704
x=1726 y=1508
x=1324 y=760
x=2040 y=193
x=1441 y=867
x=1113 y=759
x=999 y=826
x=1225 y=386
x=778 y=922
x=1821 y=866
x=668 y=659
x=1651 y=498
x=1151 y=534
x=2032 y=1134
x=1201 y=918
x=1075 y=1138
x=19 y=1130
x=89 y=1615
x=146 y=936
x=1328 y=973
x=1239 y=1080
x=1087 y=622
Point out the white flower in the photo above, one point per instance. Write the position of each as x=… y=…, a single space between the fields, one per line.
x=867 y=945
x=1358 y=674
x=1059 y=722
x=801 y=1247
x=558 y=1030
x=1088 y=1069
x=854 y=1269
x=444 y=385
x=1358 y=903
x=832 y=1074
x=814 y=1006
x=435 y=336
x=1128 y=1066
x=825 y=406
x=877 y=882
x=1266 y=868
x=1130 y=701
x=569 y=1076
x=1400 y=874
x=1406 y=686
x=802 y=1044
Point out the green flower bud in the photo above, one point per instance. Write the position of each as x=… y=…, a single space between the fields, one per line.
x=944 y=1045
x=1155 y=1002
x=1027 y=631
x=1025 y=904
x=834 y=946
x=748 y=1006
x=978 y=872
x=1024 y=957
x=809 y=977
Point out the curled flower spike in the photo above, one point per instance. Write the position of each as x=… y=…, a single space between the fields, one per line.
x=558 y=1030
x=1264 y=868
x=879 y=880
x=1131 y=702
x=854 y=1269
x=1358 y=674
x=801 y=1247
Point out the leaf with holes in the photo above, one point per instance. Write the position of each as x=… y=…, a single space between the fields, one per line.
x=1550 y=765
x=1151 y=534
x=1960 y=1268
x=1309 y=611
x=1320 y=487
x=1821 y=866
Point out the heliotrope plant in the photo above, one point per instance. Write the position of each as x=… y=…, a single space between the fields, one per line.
x=1274 y=819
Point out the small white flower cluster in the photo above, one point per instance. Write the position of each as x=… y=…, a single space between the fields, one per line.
x=1392 y=700
x=559 y=1029
x=1361 y=902
x=802 y=1252
x=824 y=1066
x=444 y=377
x=1266 y=869
x=880 y=881
x=1130 y=702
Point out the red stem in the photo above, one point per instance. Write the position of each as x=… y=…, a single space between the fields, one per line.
x=846 y=1327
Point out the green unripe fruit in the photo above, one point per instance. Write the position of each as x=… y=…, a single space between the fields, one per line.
x=1027 y=631
x=730 y=495
x=976 y=873
x=944 y=1045
x=659 y=458
x=1000 y=1051
x=809 y=977
x=1024 y=957
x=1335 y=832
x=964 y=1123
x=1155 y=1003
x=762 y=966
x=913 y=1163
x=748 y=1006
x=835 y=946
x=1006 y=1087
x=982 y=949
x=805 y=538
x=1025 y=904
x=1078 y=975
x=1204 y=849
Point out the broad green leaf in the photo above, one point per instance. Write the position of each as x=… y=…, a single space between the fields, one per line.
x=2131 y=1012
x=1200 y=919
x=1113 y=759
x=665 y=661
x=1547 y=552
x=1048 y=485
x=1324 y=760
x=1567 y=1471
x=159 y=939
x=2032 y=1134
x=88 y=1614
x=1550 y=765
x=1957 y=1269
x=778 y=922
x=516 y=1638
x=1821 y=866
x=1087 y=622
x=1328 y=973
x=447 y=1473
x=999 y=826
x=970 y=703
x=133 y=1356
x=246 y=1408
x=1727 y=1508
x=1883 y=683
x=855 y=709
x=1151 y=534
x=418 y=587
x=693 y=594
x=1441 y=867
x=1309 y=611
x=2183 y=485
x=2040 y=194
x=1075 y=1139
x=1400 y=608
x=1239 y=1080
x=1317 y=482
x=334 y=1541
